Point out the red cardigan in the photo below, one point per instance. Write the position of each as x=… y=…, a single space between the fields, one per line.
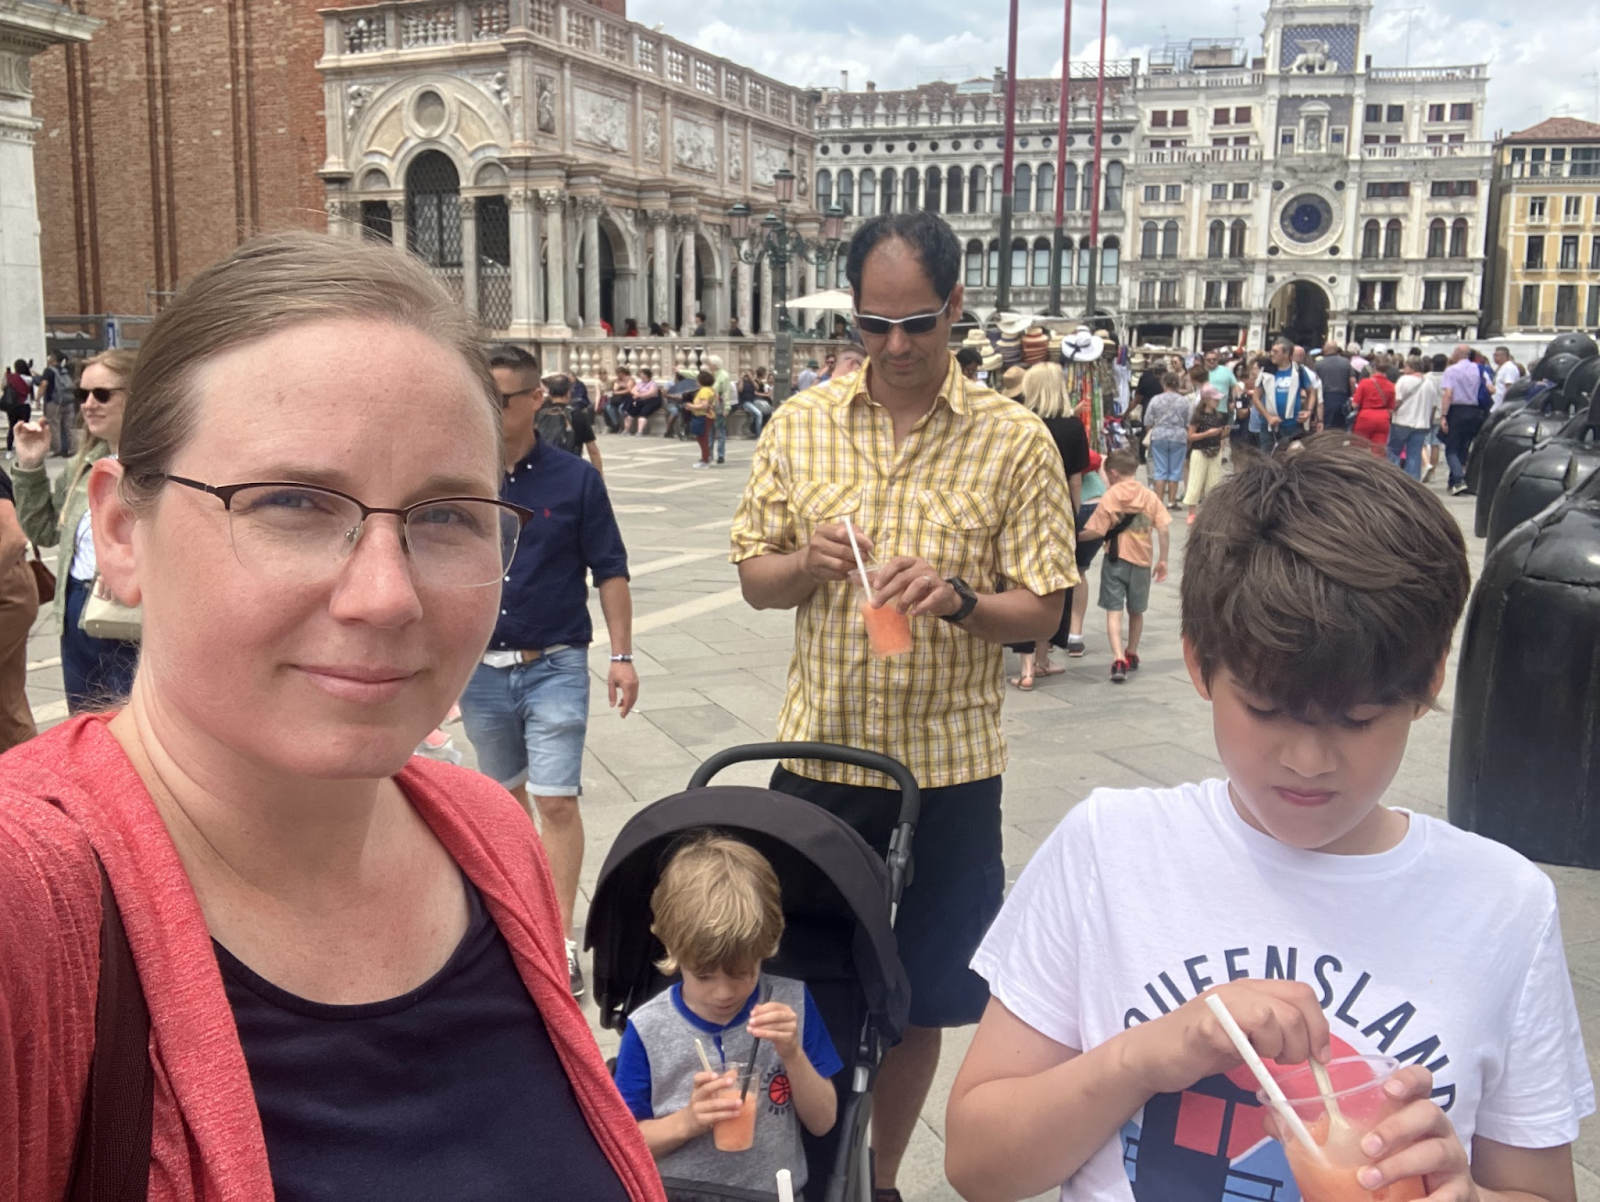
x=207 y=1141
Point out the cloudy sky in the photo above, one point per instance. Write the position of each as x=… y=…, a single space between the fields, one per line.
x=1534 y=73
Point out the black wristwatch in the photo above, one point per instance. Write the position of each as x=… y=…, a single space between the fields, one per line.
x=969 y=601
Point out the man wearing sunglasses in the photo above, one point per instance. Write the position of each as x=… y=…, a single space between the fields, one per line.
x=960 y=497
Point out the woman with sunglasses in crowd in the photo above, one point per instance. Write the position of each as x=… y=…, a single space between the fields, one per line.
x=352 y=960
x=93 y=671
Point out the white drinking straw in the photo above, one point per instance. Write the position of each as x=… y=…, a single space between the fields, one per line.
x=704 y=1059
x=785 y=1186
x=860 y=566
x=1269 y=1086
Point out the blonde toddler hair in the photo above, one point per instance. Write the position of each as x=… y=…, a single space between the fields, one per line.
x=717 y=906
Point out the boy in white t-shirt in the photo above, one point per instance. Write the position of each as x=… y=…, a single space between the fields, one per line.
x=1320 y=592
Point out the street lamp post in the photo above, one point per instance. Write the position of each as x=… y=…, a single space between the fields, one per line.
x=780 y=245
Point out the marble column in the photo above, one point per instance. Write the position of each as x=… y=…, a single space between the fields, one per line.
x=769 y=312
x=661 y=251
x=570 y=271
x=590 y=209
x=553 y=204
x=743 y=299
x=469 y=254
x=525 y=286
x=691 y=292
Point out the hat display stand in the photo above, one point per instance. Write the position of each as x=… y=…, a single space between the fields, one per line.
x=1035 y=346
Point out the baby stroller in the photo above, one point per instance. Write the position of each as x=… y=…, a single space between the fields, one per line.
x=839 y=901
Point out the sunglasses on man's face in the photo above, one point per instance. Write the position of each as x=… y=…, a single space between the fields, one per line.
x=103 y=395
x=917 y=323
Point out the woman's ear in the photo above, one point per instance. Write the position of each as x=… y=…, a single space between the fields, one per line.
x=113 y=523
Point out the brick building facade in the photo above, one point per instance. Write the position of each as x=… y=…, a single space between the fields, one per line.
x=184 y=127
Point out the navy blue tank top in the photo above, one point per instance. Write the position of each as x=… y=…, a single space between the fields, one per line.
x=453 y=1090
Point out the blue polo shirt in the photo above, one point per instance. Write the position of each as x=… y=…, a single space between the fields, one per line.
x=544 y=600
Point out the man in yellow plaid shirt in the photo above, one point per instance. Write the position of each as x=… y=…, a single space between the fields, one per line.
x=960 y=496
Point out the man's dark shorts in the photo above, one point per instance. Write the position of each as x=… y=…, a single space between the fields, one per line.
x=957 y=882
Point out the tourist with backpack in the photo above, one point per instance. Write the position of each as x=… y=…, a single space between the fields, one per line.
x=562 y=424
x=16 y=400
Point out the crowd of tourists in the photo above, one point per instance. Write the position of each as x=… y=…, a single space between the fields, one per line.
x=252 y=946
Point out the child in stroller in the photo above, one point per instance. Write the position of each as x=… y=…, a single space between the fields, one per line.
x=718 y=912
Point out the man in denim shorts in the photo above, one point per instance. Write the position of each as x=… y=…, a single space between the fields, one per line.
x=526 y=708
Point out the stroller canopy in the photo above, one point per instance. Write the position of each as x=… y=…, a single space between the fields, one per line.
x=835 y=900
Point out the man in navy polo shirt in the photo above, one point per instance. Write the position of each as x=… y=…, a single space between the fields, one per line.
x=526 y=708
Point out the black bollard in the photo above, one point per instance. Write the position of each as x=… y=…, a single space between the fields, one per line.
x=1541 y=477
x=1525 y=745
x=1529 y=427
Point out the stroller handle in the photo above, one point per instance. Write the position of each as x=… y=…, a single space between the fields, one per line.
x=899 y=857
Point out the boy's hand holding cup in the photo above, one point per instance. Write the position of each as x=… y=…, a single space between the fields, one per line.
x=1417 y=1141
x=715 y=1099
x=778 y=1025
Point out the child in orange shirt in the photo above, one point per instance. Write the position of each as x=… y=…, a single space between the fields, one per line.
x=1125 y=517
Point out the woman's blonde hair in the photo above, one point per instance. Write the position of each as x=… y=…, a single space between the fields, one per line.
x=717 y=906
x=265 y=286
x=119 y=361
x=1044 y=390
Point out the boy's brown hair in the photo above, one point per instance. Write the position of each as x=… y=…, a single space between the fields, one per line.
x=705 y=379
x=1124 y=461
x=1324 y=580
x=718 y=905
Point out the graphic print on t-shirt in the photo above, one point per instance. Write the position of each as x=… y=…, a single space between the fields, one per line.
x=1210 y=1143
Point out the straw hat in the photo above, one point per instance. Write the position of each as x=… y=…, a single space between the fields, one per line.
x=1081 y=346
x=1011 y=383
x=1012 y=325
x=978 y=341
x=992 y=362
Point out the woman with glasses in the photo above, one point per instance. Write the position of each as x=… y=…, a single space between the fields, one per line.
x=94 y=671
x=351 y=959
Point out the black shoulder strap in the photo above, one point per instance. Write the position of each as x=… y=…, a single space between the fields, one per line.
x=112 y=1160
x=1113 y=550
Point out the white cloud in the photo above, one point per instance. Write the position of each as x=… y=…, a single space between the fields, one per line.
x=1536 y=67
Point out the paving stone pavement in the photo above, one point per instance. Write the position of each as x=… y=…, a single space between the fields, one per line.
x=712 y=673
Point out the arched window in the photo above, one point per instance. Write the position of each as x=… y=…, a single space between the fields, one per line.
x=952 y=189
x=889 y=182
x=841 y=277
x=1436 y=235
x=1113 y=187
x=1066 y=262
x=1169 y=240
x=935 y=190
x=1045 y=188
x=994 y=262
x=1110 y=260
x=1084 y=252
x=1149 y=241
x=1087 y=193
x=974 y=264
x=1216 y=239
x=976 y=178
x=1391 y=239
x=1236 y=236
x=847 y=192
x=1023 y=194
x=1019 y=262
x=1371 y=233
x=869 y=192
x=433 y=208
x=997 y=182
x=1041 y=263
x=913 y=193
x=1458 y=238
x=824 y=189
x=1069 y=187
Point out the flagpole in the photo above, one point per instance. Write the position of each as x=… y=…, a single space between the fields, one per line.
x=1094 y=192
x=1007 y=199
x=1056 y=247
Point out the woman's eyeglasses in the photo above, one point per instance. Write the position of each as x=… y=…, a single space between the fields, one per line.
x=301 y=533
x=917 y=323
x=103 y=395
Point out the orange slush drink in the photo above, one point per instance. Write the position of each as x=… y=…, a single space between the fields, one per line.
x=739 y=1133
x=888 y=630
x=1358 y=1092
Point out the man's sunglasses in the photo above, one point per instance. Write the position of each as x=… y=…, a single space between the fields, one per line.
x=917 y=323
x=103 y=395
x=507 y=397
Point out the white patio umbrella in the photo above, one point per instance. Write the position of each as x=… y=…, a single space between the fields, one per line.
x=832 y=300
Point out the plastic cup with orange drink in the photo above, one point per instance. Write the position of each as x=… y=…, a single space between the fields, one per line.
x=1338 y=1119
x=888 y=630
x=738 y=1133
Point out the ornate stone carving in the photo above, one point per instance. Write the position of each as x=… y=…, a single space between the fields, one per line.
x=356 y=98
x=551 y=199
x=1312 y=59
x=497 y=85
x=600 y=120
x=545 y=103
x=16 y=75
x=735 y=158
x=589 y=206
x=652 y=136
x=468 y=206
x=655 y=217
x=765 y=162
x=802 y=183
x=519 y=199
x=694 y=145
x=684 y=223
x=341 y=208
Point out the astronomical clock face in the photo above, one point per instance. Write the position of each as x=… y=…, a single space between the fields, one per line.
x=1308 y=221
